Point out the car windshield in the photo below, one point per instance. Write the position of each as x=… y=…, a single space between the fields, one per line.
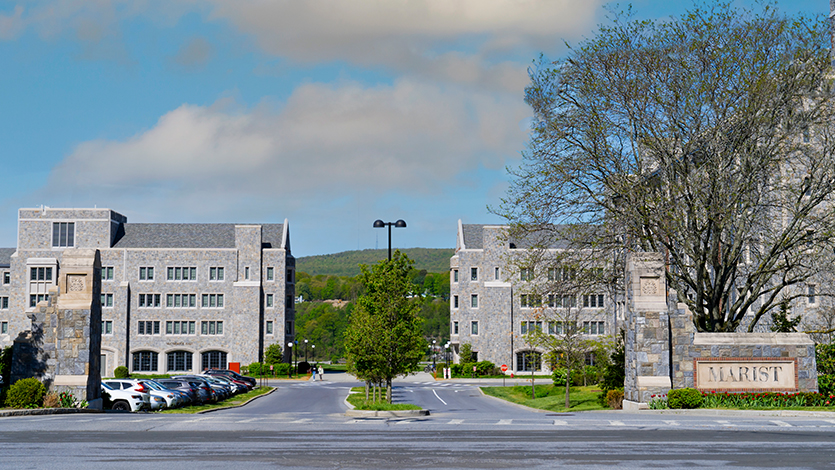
x=106 y=386
x=154 y=385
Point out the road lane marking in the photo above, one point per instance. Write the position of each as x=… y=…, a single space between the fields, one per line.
x=247 y=420
x=439 y=398
x=504 y=422
x=726 y=423
x=832 y=421
x=405 y=421
x=781 y=423
x=616 y=423
x=559 y=422
x=672 y=423
x=303 y=420
x=197 y=419
x=455 y=421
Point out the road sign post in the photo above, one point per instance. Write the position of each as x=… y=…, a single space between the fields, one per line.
x=504 y=369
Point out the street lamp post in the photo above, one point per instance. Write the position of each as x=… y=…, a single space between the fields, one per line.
x=305 y=350
x=290 y=369
x=433 y=355
x=296 y=349
x=380 y=224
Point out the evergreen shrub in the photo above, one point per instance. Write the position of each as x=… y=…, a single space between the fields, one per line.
x=614 y=398
x=26 y=393
x=685 y=398
x=121 y=372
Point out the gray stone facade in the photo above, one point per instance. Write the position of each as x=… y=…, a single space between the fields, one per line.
x=498 y=289
x=145 y=316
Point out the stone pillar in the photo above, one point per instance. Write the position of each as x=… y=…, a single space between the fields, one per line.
x=647 y=329
x=63 y=348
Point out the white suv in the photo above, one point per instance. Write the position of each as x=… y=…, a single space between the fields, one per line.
x=127 y=400
x=154 y=403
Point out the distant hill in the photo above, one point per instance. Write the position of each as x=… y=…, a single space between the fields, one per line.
x=434 y=260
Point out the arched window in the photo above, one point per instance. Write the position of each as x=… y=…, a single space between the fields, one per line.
x=214 y=360
x=179 y=361
x=145 y=361
x=528 y=361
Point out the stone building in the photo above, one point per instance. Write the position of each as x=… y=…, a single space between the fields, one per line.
x=491 y=309
x=174 y=297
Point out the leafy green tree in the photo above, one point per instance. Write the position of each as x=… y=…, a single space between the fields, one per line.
x=384 y=338
x=707 y=137
x=273 y=354
x=780 y=321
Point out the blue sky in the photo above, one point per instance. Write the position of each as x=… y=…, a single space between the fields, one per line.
x=328 y=113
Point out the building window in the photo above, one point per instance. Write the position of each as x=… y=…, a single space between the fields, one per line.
x=290 y=276
x=179 y=361
x=523 y=300
x=810 y=294
x=211 y=327
x=474 y=328
x=148 y=328
x=63 y=234
x=4 y=328
x=216 y=273
x=552 y=274
x=149 y=300
x=107 y=300
x=528 y=361
x=454 y=275
x=246 y=273
x=4 y=303
x=146 y=273
x=212 y=301
x=214 y=360
x=40 y=274
x=593 y=301
x=269 y=328
x=474 y=300
x=288 y=328
x=568 y=301
x=594 y=328
x=181 y=300
x=35 y=298
x=145 y=361
x=497 y=273
x=473 y=274
x=530 y=326
x=270 y=274
x=107 y=273
x=107 y=327
x=269 y=300
x=454 y=301
x=455 y=327
x=179 y=327
x=7 y=278
x=182 y=273
x=526 y=274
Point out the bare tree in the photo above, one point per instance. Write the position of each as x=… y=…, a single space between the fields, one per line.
x=707 y=138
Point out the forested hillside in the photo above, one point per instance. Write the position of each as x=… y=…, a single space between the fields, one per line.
x=435 y=260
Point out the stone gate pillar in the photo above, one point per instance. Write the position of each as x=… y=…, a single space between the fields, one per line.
x=647 y=329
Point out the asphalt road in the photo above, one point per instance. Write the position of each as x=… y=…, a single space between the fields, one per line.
x=302 y=425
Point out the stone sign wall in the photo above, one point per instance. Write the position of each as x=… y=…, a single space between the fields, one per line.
x=658 y=338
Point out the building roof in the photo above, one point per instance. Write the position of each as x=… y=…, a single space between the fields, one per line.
x=191 y=236
x=473 y=235
x=6 y=256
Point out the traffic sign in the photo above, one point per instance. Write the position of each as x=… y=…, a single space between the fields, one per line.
x=504 y=367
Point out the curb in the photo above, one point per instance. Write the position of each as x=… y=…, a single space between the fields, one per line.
x=46 y=411
x=232 y=407
x=386 y=414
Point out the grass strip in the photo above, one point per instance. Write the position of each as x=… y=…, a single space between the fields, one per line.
x=357 y=398
x=231 y=401
x=549 y=397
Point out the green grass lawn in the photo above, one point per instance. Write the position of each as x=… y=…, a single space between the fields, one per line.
x=549 y=397
x=231 y=401
x=358 y=400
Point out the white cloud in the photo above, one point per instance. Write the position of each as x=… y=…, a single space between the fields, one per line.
x=324 y=142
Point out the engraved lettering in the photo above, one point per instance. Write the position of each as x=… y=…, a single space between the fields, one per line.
x=743 y=374
x=712 y=377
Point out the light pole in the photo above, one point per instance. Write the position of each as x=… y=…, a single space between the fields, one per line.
x=296 y=349
x=290 y=369
x=433 y=355
x=380 y=224
x=313 y=352
x=305 y=350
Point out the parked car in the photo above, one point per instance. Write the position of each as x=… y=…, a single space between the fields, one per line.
x=205 y=392
x=154 y=402
x=221 y=391
x=183 y=386
x=237 y=388
x=231 y=373
x=127 y=400
x=172 y=399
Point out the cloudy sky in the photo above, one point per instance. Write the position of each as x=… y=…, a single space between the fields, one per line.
x=330 y=113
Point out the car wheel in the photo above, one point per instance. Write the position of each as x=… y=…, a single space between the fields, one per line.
x=121 y=406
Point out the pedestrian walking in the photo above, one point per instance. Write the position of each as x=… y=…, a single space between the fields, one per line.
x=321 y=372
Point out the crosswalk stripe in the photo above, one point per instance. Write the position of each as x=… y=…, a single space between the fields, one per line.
x=726 y=423
x=455 y=421
x=505 y=421
x=616 y=423
x=303 y=420
x=559 y=422
x=832 y=421
x=781 y=423
x=672 y=423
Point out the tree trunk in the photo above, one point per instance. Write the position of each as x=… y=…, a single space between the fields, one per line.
x=533 y=388
x=388 y=390
x=567 y=387
x=367 y=386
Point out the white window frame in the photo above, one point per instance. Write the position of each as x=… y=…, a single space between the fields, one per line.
x=67 y=235
x=146 y=273
x=474 y=328
x=473 y=300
